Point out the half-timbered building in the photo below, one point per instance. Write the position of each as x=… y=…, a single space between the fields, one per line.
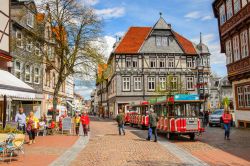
x=145 y=56
x=234 y=27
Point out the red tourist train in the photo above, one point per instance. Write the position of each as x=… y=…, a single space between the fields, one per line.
x=178 y=115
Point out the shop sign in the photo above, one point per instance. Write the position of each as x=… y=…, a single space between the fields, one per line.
x=66 y=124
x=186 y=97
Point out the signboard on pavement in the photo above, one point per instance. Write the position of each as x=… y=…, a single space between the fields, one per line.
x=66 y=124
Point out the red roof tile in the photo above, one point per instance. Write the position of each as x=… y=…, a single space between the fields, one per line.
x=186 y=44
x=133 y=40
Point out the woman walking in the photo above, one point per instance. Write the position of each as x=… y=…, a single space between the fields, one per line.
x=32 y=125
x=227 y=120
x=85 y=123
x=77 y=123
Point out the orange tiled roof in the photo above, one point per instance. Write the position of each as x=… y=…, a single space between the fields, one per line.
x=133 y=40
x=40 y=17
x=186 y=44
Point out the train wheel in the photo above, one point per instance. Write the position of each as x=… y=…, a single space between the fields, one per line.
x=192 y=136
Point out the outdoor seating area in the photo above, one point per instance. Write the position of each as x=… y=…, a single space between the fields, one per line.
x=10 y=146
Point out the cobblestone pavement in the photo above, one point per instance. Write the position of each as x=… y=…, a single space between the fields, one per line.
x=214 y=150
x=45 y=151
x=107 y=148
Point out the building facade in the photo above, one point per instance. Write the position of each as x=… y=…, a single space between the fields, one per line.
x=143 y=61
x=23 y=46
x=234 y=27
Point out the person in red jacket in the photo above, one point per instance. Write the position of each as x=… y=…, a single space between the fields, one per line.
x=227 y=119
x=85 y=123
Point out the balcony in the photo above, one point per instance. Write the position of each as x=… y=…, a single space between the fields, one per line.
x=239 y=68
x=237 y=19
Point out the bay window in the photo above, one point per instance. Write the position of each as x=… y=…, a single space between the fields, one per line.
x=244 y=44
x=128 y=62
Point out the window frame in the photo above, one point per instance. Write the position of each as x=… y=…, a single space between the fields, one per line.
x=18 y=70
x=188 y=82
x=137 y=83
x=236 y=48
x=174 y=83
x=37 y=75
x=171 y=62
x=244 y=39
x=162 y=83
x=128 y=62
x=152 y=61
x=222 y=14
x=229 y=9
x=30 y=19
x=236 y=10
x=28 y=73
x=126 y=84
x=162 y=61
x=229 y=52
x=29 y=45
x=151 y=83
x=19 y=39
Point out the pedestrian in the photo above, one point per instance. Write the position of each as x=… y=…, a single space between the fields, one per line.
x=77 y=120
x=153 y=119
x=227 y=120
x=20 y=119
x=120 y=118
x=85 y=123
x=32 y=125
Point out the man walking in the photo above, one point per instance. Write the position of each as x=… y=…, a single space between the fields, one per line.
x=120 y=120
x=153 y=119
x=20 y=119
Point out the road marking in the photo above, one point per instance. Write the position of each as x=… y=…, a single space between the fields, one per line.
x=70 y=155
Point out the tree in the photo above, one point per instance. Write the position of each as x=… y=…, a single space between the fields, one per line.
x=173 y=85
x=66 y=35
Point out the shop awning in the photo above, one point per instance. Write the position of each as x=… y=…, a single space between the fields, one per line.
x=70 y=104
x=11 y=86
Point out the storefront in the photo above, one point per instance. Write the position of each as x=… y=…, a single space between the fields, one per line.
x=12 y=88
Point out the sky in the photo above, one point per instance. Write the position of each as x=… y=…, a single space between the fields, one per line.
x=187 y=17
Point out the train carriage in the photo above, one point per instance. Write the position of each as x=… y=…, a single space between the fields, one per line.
x=178 y=115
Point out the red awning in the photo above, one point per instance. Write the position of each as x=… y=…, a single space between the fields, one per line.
x=144 y=103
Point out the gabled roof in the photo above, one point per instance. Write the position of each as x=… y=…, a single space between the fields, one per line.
x=133 y=40
x=186 y=44
x=161 y=24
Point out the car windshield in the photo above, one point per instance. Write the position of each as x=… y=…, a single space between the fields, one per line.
x=218 y=112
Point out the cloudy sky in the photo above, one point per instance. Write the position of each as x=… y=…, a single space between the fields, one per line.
x=188 y=17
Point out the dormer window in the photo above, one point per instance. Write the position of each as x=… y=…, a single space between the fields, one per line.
x=162 y=41
x=30 y=19
x=158 y=41
x=128 y=62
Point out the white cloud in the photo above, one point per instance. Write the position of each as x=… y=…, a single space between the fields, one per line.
x=209 y=17
x=90 y=2
x=110 y=41
x=193 y=15
x=119 y=34
x=110 y=12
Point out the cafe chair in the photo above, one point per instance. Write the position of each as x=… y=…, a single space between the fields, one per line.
x=17 y=145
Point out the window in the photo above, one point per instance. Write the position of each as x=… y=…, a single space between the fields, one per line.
x=174 y=83
x=162 y=63
x=137 y=83
x=135 y=63
x=240 y=96
x=190 y=83
x=30 y=19
x=48 y=78
x=190 y=63
x=158 y=41
x=236 y=6
x=19 y=39
x=28 y=73
x=37 y=49
x=244 y=3
x=165 y=41
x=151 y=83
x=171 y=63
x=29 y=45
x=152 y=62
x=236 y=48
x=229 y=53
x=128 y=62
x=36 y=75
x=222 y=14
x=247 y=95
x=229 y=9
x=162 y=81
x=244 y=44
x=18 y=68
x=126 y=83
